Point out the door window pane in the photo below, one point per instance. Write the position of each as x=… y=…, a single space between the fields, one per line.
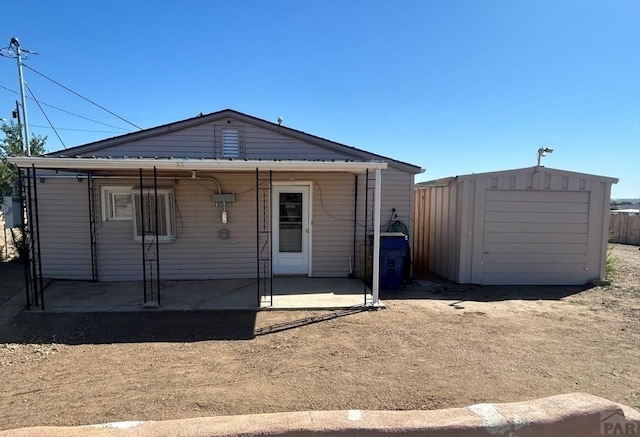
x=290 y=222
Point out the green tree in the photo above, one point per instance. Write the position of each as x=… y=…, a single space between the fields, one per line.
x=12 y=145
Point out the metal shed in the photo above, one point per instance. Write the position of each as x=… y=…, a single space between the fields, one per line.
x=528 y=226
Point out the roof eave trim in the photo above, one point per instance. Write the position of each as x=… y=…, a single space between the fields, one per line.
x=517 y=170
x=538 y=168
x=88 y=164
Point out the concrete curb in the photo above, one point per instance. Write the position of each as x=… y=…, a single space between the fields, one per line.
x=576 y=414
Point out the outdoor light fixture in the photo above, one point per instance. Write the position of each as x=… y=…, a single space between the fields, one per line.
x=542 y=151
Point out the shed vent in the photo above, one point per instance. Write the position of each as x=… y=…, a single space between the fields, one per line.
x=230 y=143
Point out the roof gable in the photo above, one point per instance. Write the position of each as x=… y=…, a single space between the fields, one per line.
x=198 y=137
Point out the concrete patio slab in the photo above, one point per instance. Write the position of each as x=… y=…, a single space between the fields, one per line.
x=311 y=293
x=227 y=294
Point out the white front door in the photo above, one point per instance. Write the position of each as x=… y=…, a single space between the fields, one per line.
x=291 y=231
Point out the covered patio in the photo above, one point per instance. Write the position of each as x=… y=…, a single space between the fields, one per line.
x=264 y=291
x=224 y=294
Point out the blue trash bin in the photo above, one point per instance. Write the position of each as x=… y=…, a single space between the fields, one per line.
x=393 y=248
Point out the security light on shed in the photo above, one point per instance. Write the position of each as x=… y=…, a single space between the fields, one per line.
x=542 y=151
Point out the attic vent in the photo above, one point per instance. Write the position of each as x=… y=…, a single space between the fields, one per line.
x=230 y=143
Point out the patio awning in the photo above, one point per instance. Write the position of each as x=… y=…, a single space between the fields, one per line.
x=91 y=164
x=190 y=164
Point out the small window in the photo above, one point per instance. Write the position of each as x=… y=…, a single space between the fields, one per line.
x=144 y=214
x=230 y=143
x=116 y=203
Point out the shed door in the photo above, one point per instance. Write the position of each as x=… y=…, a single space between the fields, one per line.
x=535 y=237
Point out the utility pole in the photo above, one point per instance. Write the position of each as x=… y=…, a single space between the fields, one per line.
x=15 y=43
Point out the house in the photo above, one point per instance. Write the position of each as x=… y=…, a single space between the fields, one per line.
x=528 y=226
x=219 y=196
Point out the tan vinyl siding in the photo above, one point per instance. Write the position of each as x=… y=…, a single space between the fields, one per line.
x=199 y=253
x=267 y=144
x=397 y=192
x=205 y=141
x=192 y=142
x=64 y=228
x=332 y=220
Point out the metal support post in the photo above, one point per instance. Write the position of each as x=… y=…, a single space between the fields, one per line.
x=377 y=196
x=258 y=234
x=352 y=273
x=27 y=280
x=263 y=231
x=142 y=230
x=366 y=237
x=28 y=241
x=92 y=228
x=270 y=197
x=155 y=191
x=39 y=257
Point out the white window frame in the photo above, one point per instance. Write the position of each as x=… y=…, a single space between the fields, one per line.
x=108 y=202
x=169 y=214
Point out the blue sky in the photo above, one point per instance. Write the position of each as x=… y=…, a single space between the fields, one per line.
x=455 y=86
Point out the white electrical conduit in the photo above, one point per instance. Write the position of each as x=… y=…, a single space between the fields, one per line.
x=78 y=177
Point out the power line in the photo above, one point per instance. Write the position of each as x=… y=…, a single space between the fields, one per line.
x=69 y=112
x=81 y=96
x=45 y=115
x=78 y=130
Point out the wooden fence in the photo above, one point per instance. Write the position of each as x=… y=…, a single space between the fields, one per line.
x=624 y=229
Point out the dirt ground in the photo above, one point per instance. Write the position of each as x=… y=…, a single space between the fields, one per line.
x=436 y=345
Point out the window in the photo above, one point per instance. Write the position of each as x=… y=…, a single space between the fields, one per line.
x=230 y=143
x=116 y=203
x=144 y=214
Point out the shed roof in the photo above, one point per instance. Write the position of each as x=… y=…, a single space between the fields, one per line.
x=449 y=180
x=206 y=118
